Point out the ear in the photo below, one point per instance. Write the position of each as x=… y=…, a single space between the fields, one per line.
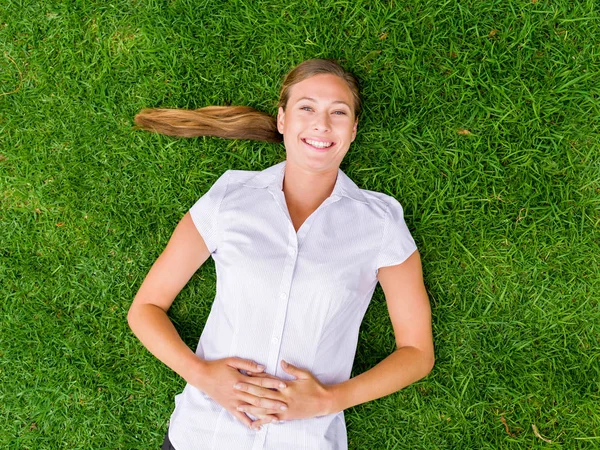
x=280 y=120
x=354 y=129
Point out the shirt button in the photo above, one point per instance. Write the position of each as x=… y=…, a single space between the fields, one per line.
x=275 y=339
x=292 y=251
x=283 y=295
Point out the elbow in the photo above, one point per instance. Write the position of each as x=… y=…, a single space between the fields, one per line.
x=429 y=363
x=426 y=362
x=132 y=315
x=428 y=358
x=142 y=314
x=130 y=318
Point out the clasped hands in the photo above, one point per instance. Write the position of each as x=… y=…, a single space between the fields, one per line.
x=265 y=397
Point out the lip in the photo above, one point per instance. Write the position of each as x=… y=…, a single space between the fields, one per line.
x=322 y=150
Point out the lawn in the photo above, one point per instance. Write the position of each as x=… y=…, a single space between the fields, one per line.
x=481 y=118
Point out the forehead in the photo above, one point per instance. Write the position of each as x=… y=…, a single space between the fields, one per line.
x=324 y=88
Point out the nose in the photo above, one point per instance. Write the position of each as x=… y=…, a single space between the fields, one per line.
x=322 y=122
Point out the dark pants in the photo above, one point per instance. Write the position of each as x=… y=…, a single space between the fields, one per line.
x=167 y=443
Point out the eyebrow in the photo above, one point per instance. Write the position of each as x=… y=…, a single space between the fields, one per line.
x=313 y=100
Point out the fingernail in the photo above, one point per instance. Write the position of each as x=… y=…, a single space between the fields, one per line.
x=257 y=428
x=284 y=363
x=259 y=367
x=273 y=420
x=281 y=386
x=282 y=421
x=283 y=408
x=237 y=386
x=240 y=408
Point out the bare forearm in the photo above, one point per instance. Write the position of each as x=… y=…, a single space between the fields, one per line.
x=403 y=367
x=155 y=330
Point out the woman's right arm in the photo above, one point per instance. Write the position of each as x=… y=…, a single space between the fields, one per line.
x=147 y=317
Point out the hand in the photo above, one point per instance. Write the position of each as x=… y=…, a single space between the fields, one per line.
x=218 y=378
x=305 y=397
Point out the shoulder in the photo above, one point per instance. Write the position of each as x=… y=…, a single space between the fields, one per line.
x=225 y=184
x=239 y=177
x=233 y=180
x=378 y=198
x=376 y=203
x=241 y=188
x=380 y=204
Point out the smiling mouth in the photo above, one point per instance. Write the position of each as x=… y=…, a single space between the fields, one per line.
x=318 y=144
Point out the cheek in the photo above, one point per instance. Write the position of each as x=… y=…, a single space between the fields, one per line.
x=346 y=131
x=295 y=126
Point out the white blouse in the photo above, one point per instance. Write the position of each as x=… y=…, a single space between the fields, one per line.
x=286 y=295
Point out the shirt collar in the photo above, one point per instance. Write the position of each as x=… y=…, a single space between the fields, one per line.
x=272 y=178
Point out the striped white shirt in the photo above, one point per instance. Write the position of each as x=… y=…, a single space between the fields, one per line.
x=282 y=294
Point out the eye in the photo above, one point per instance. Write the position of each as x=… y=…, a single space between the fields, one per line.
x=339 y=113
x=306 y=108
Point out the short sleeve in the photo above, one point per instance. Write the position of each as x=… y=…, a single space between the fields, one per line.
x=205 y=212
x=397 y=243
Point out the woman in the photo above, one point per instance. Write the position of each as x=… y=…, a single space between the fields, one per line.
x=298 y=250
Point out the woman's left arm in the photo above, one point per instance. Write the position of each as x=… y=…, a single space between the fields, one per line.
x=410 y=313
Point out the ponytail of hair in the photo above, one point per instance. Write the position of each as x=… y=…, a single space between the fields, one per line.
x=242 y=122
x=229 y=122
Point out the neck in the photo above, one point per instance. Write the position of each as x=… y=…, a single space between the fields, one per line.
x=305 y=190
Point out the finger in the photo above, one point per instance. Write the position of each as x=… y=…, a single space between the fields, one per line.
x=261 y=413
x=257 y=424
x=245 y=364
x=266 y=382
x=261 y=375
x=258 y=391
x=265 y=375
x=242 y=418
x=294 y=371
x=261 y=402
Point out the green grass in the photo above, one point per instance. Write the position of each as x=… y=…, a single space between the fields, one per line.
x=506 y=216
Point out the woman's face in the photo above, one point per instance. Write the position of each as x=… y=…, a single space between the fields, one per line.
x=318 y=124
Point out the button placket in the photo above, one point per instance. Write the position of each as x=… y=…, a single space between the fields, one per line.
x=284 y=289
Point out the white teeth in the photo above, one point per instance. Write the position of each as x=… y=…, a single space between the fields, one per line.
x=318 y=144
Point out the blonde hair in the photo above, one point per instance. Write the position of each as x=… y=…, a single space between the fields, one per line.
x=241 y=122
